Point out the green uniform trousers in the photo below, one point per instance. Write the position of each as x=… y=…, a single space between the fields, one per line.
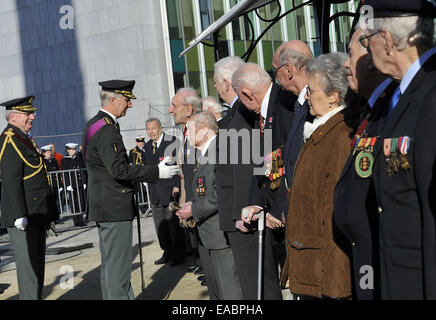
x=29 y=254
x=116 y=259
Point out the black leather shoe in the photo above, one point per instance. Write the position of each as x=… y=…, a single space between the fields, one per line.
x=162 y=260
x=198 y=271
x=201 y=278
x=177 y=261
x=203 y=283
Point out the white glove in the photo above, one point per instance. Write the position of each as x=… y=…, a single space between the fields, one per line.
x=84 y=186
x=61 y=189
x=167 y=172
x=21 y=224
x=70 y=188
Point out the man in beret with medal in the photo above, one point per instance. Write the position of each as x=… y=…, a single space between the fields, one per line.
x=405 y=151
x=110 y=187
x=353 y=213
x=28 y=205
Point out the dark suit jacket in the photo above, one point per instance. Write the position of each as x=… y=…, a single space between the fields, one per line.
x=233 y=180
x=407 y=202
x=24 y=195
x=279 y=121
x=295 y=141
x=205 y=207
x=355 y=211
x=110 y=176
x=161 y=192
x=224 y=123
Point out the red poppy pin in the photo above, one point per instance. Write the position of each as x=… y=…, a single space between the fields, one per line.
x=271 y=120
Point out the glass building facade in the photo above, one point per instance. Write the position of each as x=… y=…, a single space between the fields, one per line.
x=188 y=18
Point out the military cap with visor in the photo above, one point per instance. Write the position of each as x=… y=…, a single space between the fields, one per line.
x=22 y=104
x=71 y=145
x=140 y=139
x=46 y=148
x=124 y=87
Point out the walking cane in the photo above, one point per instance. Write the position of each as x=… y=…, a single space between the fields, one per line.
x=138 y=220
x=261 y=228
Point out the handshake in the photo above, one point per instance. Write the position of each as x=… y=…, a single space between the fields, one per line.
x=168 y=168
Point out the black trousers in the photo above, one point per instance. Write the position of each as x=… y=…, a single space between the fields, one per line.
x=169 y=233
x=245 y=251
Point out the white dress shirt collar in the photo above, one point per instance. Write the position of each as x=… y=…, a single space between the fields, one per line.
x=233 y=101
x=207 y=145
x=265 y=103
x=301 y=97
x=159 y=141
x=111 y=115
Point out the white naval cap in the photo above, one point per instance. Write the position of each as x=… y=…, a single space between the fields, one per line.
x=46 y=148
x=71 y=145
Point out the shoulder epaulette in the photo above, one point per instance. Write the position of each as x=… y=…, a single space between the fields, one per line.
x=107 y=120
x=38 y=168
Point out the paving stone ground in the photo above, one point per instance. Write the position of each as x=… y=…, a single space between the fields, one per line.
x=163 y=282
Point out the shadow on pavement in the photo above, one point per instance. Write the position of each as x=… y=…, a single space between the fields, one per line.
x=162 y=283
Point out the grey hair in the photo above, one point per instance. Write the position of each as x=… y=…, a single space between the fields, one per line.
x=212 y=104
x=254 y=78
x=290 y=56
x=417 y=30
x=8 y=114
x=191 y=98
x=334 y=75
x=105 y=97
x=225 y=68
x=153 y=120
x=205 y=118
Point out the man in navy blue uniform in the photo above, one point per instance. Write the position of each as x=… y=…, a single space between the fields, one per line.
x=405 y=151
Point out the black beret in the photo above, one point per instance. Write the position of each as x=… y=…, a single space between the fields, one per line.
x=401 y=8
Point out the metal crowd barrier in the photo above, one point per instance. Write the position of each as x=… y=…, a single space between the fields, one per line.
x=70 y=188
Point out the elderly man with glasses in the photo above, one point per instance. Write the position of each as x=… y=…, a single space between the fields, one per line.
x=401 y=43
x=289 y=65
x=27 y=205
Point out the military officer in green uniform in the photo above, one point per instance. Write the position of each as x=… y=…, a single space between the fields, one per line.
x=27 y=205
x=110 y=187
